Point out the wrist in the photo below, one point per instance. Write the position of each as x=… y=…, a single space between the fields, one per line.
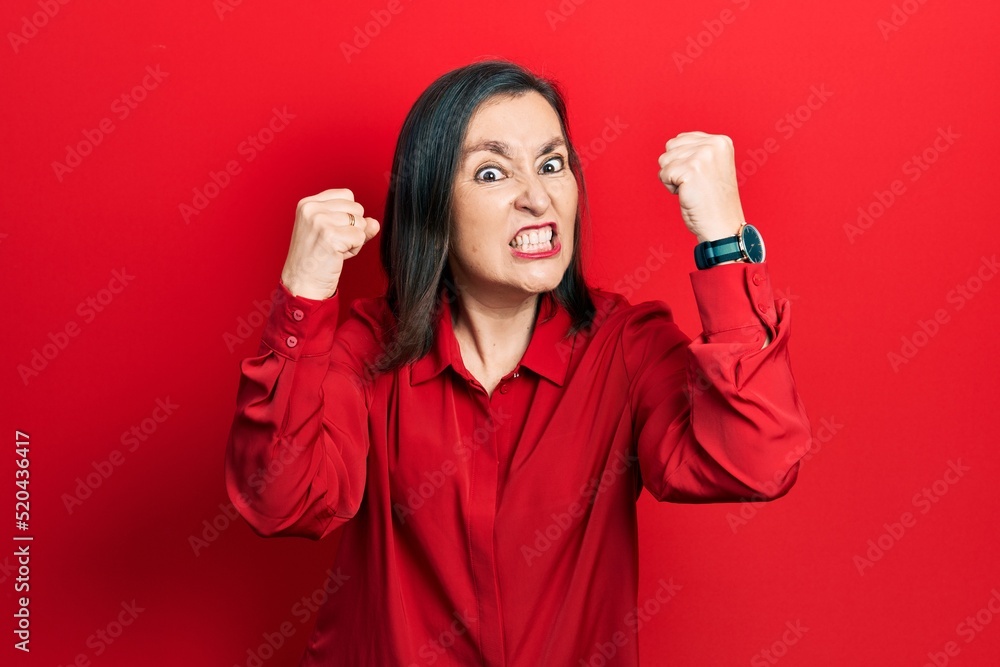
x=719 y=232
x=745 y=245
x=308 y=291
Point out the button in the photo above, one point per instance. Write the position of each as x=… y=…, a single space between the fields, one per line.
x=762 y=307
x=757 y=279
x=503 y=388
x=297 y=315
x=292 y=341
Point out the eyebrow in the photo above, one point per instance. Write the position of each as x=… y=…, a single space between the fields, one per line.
x=504 y=149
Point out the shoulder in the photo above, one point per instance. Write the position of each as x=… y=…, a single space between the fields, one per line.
x=616 y=311
x=639 y=332
x=365 y=330
x=370 y=312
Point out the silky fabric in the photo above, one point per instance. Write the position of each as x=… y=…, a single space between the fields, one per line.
x=501 y=529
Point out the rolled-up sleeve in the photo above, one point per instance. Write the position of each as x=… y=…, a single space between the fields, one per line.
x=296 y=454
x=717 y=418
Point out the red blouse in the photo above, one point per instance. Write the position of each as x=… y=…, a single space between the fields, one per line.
x=501 y=529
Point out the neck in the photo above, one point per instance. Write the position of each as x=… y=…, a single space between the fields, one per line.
x=493 y=335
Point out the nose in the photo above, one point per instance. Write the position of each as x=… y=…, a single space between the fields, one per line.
x=533 y=198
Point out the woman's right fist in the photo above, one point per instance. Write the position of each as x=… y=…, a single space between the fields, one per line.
x=322 y=238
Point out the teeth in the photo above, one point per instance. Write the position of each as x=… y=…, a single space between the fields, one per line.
x=532 y=238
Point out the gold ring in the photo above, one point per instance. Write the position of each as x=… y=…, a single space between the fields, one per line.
x=352 y=219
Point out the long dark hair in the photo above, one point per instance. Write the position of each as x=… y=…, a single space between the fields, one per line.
x=418 y=209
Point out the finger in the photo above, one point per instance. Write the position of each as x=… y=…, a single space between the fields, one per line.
x=372 y=228
x=333 y=206
x=678 y=153
x=334 y=193
x=341 y=204
x=345 y=205
x=686 y=138
x=673 y=176
x=346 y=239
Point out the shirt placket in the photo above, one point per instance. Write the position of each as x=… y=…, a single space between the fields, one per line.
x=488 y=434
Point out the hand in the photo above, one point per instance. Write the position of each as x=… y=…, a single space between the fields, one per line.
x=701 y=170
x=322 y=239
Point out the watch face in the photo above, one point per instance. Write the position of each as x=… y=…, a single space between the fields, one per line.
x=753 y=244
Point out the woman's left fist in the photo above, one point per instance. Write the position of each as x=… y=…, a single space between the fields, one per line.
x=701 y=170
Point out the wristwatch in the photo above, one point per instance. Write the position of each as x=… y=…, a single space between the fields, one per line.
x=746 y=245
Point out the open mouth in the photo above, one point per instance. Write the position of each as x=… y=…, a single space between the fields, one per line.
x=539 y=240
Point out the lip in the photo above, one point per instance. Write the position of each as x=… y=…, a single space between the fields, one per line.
x=539 y=255
x=556 y=246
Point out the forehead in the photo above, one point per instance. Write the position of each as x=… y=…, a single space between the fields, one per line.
x=527 y=119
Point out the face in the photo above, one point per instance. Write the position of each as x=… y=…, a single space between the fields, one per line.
x=515 y=201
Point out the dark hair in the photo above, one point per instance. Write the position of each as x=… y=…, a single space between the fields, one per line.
x=418 y=209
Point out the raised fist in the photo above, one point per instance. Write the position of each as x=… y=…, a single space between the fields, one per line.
x=701 y=170
x=329 y=228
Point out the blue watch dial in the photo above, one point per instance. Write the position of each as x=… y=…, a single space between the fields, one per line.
x=752 y=243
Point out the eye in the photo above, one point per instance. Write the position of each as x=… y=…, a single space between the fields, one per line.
x=489 y=174
x=553 y=164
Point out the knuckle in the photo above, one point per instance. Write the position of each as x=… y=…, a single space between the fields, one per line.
x=309 y=208
x=722 y=142
x=704 y=154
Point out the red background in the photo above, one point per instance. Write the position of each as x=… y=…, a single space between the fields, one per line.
x=855 y=298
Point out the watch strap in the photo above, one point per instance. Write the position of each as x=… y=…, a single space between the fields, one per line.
x=710 y=253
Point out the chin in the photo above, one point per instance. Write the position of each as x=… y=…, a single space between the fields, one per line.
x=542 y=286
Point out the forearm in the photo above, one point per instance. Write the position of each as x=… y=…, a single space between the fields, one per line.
x=294 y=460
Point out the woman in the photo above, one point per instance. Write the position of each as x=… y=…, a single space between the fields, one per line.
x=482 y=432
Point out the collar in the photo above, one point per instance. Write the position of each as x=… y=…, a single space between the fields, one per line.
x=547 y=353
